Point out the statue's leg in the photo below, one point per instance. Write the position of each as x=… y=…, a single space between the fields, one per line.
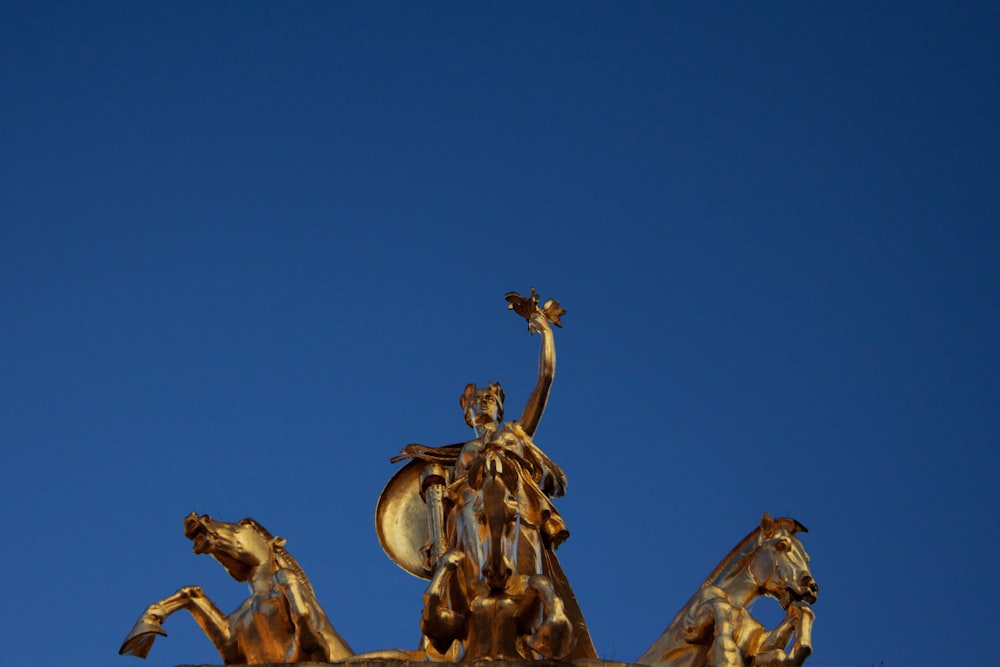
x=553 y=636
x=464 y=532
x=798 y=622
x=212 y=621
x=529 y=549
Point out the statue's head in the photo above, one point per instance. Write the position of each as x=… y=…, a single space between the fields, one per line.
x=482 y=405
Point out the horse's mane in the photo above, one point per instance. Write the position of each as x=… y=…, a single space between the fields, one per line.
x=278 y=545
x=740 y=551
x=730 y=557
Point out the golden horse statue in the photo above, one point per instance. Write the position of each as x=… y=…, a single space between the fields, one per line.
x=280 y=622
x=493 y=608
x=715 y=628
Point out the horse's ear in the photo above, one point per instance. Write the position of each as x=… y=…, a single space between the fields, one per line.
x=766 y=524
x=279 y=541
x=463 y=400
x=799 y=528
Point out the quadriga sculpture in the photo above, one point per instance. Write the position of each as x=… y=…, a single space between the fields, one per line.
x=477 y=519
x=715 y=628
x=280 y=622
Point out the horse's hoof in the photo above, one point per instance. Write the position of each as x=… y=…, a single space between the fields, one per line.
x=140 y=639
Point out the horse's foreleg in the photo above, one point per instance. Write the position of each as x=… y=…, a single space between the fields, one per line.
x=553 y=638
x=298 y=608
x=445 y=609
x=724 y=649
x=798 y=622
x=150 y=624
x=213 y=623
x=310 y=622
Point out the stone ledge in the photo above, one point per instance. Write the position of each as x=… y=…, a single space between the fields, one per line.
x=378 y=662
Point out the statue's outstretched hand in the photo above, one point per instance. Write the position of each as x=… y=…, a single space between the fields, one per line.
x=538 y=323
x=538 y=316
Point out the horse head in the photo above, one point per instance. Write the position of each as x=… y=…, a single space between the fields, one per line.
x=780 y=563
x=241 y=547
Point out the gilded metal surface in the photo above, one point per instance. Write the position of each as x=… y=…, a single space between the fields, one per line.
x=715 y=628
x=402 y=520
x=498 y=517
x=477 y=520
x=280 y=622
x=510 y=617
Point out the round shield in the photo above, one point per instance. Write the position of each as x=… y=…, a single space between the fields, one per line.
x=401 y=520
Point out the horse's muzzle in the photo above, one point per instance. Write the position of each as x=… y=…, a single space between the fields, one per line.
x=196 y=530
x=808 y=590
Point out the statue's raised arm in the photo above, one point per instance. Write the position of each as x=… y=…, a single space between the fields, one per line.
x=539 y=319
x=488 y=542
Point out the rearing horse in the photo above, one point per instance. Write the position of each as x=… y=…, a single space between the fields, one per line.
x=715 y=628
x=280 y=622
x=496 y=531
x=483 y=596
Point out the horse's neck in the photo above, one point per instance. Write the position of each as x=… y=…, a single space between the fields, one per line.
x=283 y=560
x=262 y=578
x=738 y=583
x=733 y=574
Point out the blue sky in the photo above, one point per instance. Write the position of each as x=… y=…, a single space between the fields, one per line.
x=250 y=250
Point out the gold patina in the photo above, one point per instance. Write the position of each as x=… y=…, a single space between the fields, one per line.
x=482 y=526
x=477 y=519
x=281 y=621
x=715 y=628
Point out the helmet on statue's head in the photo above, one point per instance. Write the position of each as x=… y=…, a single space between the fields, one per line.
x=482 y=405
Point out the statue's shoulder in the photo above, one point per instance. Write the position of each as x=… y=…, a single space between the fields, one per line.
x=516 y=429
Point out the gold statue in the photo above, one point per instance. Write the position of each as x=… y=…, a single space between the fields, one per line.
x=280 y=622
x=505 y=617
x=477 y=520
x=715 y=628
x=488 y=500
